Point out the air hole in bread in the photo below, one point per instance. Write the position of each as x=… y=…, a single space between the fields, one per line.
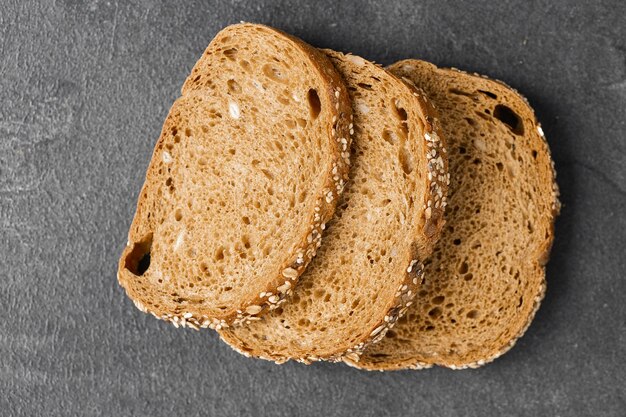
x=315 y=106
x=438 y=299
x=390 y=334
x=138 y=260
x=365 y=86
x=500 y=166
x=457 y=242
x=488 y=94
x=399 y=111
x=401 y=114
x=435 y=312
x=482 y=116
x=230 y=53
x=463 y=268
x=472 y=314
x=233 y=86
x=390 y=137
x=178 y=215
x=509 y=118
x=274 y=73
x=290 y=123
x=219 y=254
x=458 y=92
x=406 y=160
x=267 y=173
x=319 y=293
x=245 y=65
x=534 y=153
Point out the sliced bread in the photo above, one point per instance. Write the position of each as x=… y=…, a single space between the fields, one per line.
x=485 y=279
x=369 y=267
x=248 y=168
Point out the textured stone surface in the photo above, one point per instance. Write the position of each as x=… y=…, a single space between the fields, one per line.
x=84 y=89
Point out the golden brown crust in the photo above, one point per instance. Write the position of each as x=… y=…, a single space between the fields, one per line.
x=338 y=104
x=384 y=360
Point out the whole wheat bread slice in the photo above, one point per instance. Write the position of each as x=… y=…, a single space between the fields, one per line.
x=485 y=279
x=248 y=168
x=369 y=267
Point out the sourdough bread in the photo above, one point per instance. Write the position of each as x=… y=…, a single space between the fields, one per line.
x=486 y=277
x=248 y=168
x=369 y=267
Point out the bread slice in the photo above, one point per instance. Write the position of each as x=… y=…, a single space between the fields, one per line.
x=485 y=279
x=247 y=170
x=369 y=267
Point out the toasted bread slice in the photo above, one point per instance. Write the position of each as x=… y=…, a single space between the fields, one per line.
x=247 y=170
x=369 y=267
x=485 y=279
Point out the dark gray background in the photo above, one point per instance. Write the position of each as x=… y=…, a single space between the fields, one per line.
x=84 y=89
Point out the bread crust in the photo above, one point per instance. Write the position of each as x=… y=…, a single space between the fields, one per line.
x=337 y=102
x=414 y=360
x=435 y=186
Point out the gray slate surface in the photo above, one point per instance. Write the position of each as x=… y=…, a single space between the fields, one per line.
x=84 y=89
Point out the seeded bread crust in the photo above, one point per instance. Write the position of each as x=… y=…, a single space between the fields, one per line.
x=198 y=88
x=252 y=341
x=401 y=352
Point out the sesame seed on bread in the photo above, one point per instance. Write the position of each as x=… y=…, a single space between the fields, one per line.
x=248 y=168
x=368 y=269
x=486 y=277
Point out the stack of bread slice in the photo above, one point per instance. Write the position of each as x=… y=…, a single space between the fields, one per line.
x=311 y=205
